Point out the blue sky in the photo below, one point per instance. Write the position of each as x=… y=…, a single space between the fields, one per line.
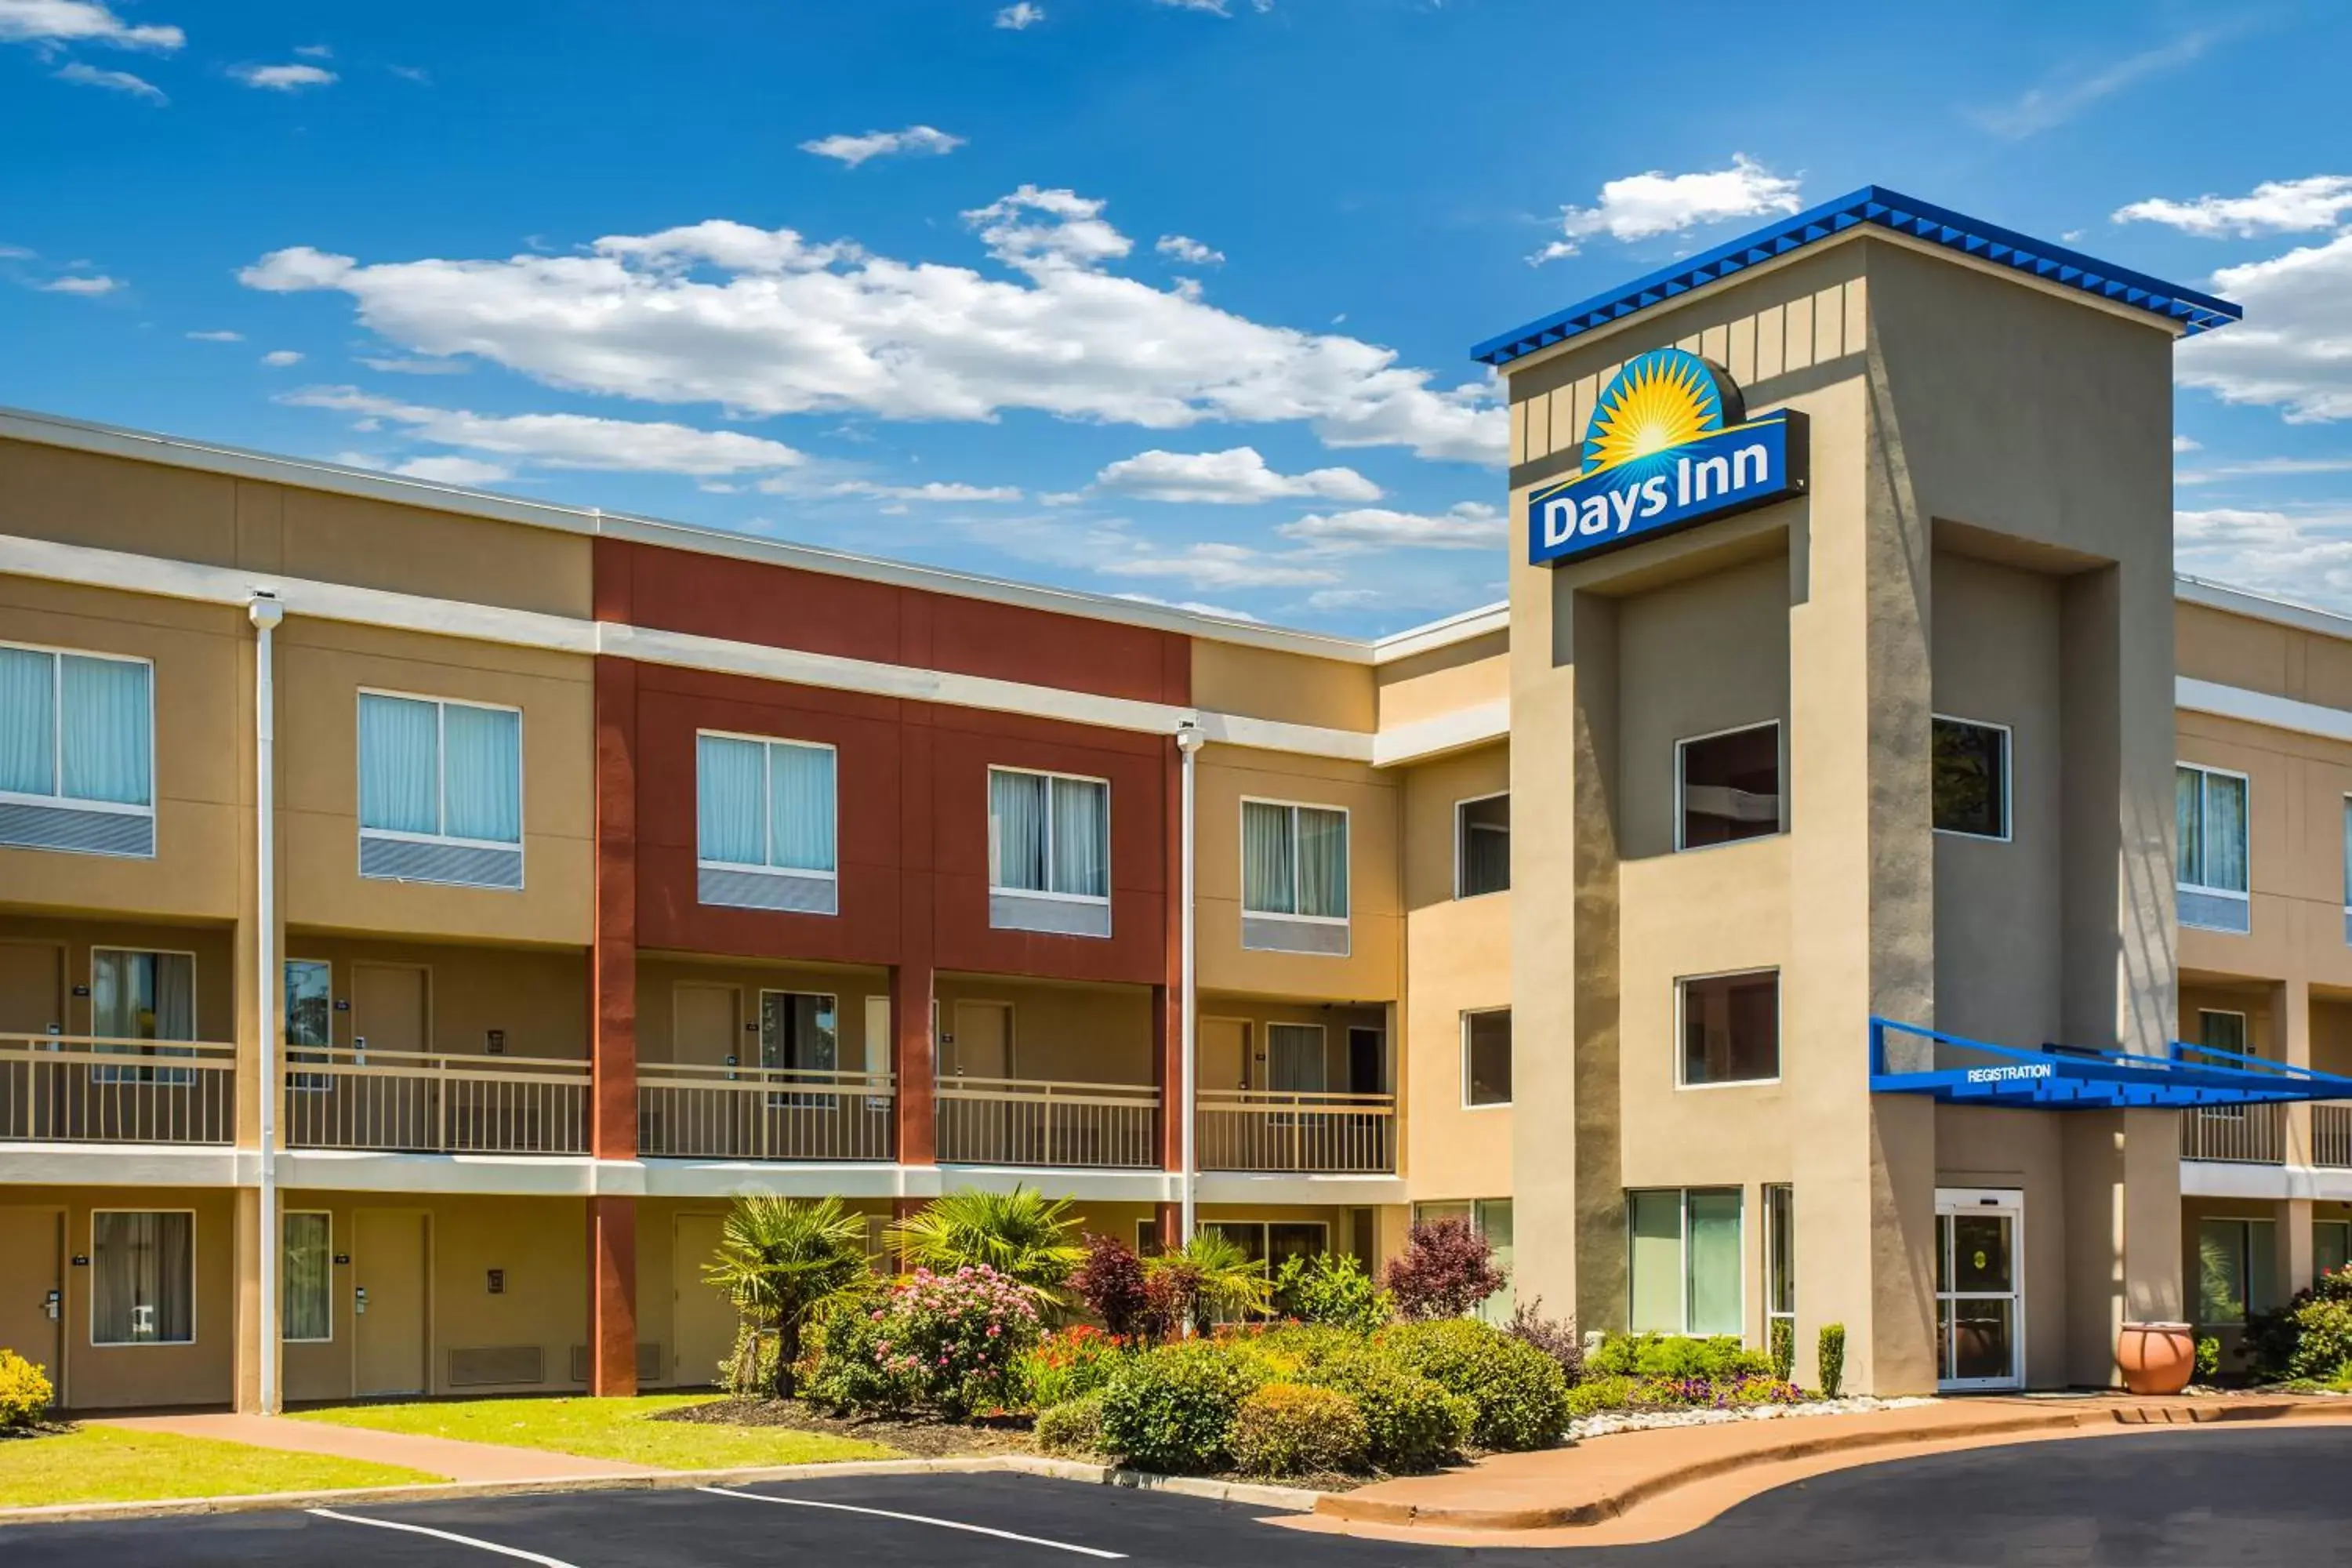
x=1163 y=298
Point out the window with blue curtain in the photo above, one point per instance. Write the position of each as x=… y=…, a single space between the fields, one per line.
x=76 y=727
x=1294 y=860
x=443 y=770
x=767 y=804
x=1048 y=833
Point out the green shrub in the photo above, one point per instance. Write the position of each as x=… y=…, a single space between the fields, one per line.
x=1719 y=1358
x=1290 y=1429
x=1832 y=1355
x=1516 y=1393
x=2322 y=1344
x=1332 y=1288
x=25 y=1391
x=750 y=1370
x=1171 y=1409
x=1784 y=1348
x=853 y=1370
x=1072 y=1429
x=1611 y=1391
x=1410 y=1422
x=2208 y=1359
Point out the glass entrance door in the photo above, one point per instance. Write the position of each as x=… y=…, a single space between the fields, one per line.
x=1978 y=1304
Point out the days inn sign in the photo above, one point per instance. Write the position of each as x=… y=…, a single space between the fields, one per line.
x=1670 y=445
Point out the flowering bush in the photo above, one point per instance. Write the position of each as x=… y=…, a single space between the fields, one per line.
x=1446 y=1270
x=1071 y=1363
x=1708 y=1393
x=955 y=1341
x=1111 y=1283
x=1556 y=1337
x=25 y=1391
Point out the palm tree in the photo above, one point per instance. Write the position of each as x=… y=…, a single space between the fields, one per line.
x=781 y=1259
x=1226 y=1282
x=1023 y=1234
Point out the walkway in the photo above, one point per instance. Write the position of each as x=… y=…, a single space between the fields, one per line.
x=451 y=1457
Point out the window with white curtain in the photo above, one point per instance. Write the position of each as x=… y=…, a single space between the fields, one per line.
x=1684 y=1270
x=139 y=995
x=440 y=790
x=307 y=1278
x=1048 y=852
x=77 y=752
x=2210 y=806
x=1294 y=874
x=767 y=823
x=142 y=1277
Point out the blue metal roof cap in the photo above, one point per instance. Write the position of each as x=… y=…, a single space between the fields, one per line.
x=2193 y=312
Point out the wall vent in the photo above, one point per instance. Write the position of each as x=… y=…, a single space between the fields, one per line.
x=458 y=865
x=1057 y=917
x=33 y=827
x=1279 y=933
x=481 y=1366
x=788 y=891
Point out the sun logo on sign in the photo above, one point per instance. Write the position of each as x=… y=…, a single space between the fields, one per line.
x=1658 y=401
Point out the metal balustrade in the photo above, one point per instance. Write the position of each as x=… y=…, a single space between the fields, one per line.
x=1034 y=1121
x=2241 y=1134
x=2331 y=1135
x=688 y=1111
x=87 y=1089
x=430 y=1103
x=1314 y=1134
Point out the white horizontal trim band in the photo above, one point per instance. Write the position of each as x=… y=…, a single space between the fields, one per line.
x=2261 y=707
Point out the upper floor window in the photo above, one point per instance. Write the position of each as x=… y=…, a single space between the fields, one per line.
x=1728 y=787
x=2211 y=805
x=77 y=752
x=1294 y=877
x=1971 y=778
x=766 y=824
x=440 y=790
x=1731 y=1028
x=1482 y=846
x=1486 y=1058
x=1048 y=852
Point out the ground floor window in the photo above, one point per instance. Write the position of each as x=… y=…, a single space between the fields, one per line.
x=1780 y=1256
x=306 y=1280
x=2331 y=1244
x=1274 y=1243
x=1684 y=1261
x=142 y=1277
x=2237 y=1270
x=1490 y=1217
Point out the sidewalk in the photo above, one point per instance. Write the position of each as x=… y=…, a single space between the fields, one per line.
x=450 y=1456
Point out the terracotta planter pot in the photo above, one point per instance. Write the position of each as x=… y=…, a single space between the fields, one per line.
x=2157 y=1358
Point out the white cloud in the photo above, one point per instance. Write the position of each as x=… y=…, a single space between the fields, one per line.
x=2262 y=468
x=80 y=22
x=417 y=74
x=219 y=336
x=1343 y=598
x=2063 y=96
x=2294 y=349
x=2275 y=206
x=855 y=149
x=1021 y=15
x=1212 y=7
x=1207 y=564
x=1642 y=206
x=1195 y=605
x=2184 y=444
x=283 y=78
x=90 y=284
x=16 y=253
x=933 y=490
x=2304 y=555
x=1472 y=525
x=416 y=366
x=280 y=358
x=1235 y=476
x=562 y=441
x=796 y=328
x=441 y=470
x=82 y=75
x=315 y=51
x=1189 y=251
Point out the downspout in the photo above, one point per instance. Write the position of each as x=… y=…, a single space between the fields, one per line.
x=265 y=613
x=1189 y=741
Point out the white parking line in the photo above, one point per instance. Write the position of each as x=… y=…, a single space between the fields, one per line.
x=918 y=1519
x=446 y=1535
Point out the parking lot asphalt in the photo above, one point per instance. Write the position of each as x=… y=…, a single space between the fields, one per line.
x=2191 y=1497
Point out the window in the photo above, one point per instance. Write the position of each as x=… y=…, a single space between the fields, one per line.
x=309 y=1020
x=77 y=752
x=1482 y=846
x=142 y=1278
x=139 y=995
x=2237 y=1270
x=306 y=1279
x=800 y=1032
x=1780 y=1254
x=1486 y=1057
x=1295 y=1059
x=766 y=822
x=1684 y=1261
x=2331 y=1245
x=1048 y=853
x=1731 y=1028
x=1274 y=1244
x=2211 y=805
x=1728 y=786
x=1294 y=877
x=1491 y=1218
x=1971 y=778
x=2221 y=1031
x=440 y=792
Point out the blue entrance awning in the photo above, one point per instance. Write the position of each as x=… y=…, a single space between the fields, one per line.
x=1907 y=1060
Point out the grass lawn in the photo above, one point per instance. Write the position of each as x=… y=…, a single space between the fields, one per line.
x=103 y=1463
x=605 y=1429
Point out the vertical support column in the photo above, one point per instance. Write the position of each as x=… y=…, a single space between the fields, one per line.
x=913 y=1048
x=251 y=1020
x=613 y=1019
x=2290 y=1008
x=1168 y=1041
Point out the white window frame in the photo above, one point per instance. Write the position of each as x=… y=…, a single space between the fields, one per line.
x=441 y=774
x=2245 y=894
x=1779 y=1027
x=2008 y=833
x=1781 y=769
x=1460 y=833
x=111 y=1072
x=765 y=866
x=2009 y=1202
x=58 y=797
x=1264 y=1229
x=283 y=1215
x=1682 y=1272
x=1771 y=1233
x=196 y=1272
x=1467 y=1104
x=995 y=886
x=1294 y=807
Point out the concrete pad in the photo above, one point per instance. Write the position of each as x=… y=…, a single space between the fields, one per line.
x=458 y=1459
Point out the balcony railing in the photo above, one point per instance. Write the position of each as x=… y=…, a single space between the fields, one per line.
x=1317 y=1134
x=1032 y=1122
x=2243 y=1134
x=688 y=1111
x=81 y=1089
x=2331 y=1135
x=418 y=1102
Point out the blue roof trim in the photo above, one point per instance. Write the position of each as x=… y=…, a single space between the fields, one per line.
x=2193 y=312
x=2071 y=1077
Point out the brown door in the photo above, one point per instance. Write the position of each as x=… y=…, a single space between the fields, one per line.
x=983 y=1047
x=389 y=1281
x=709 y=1025
x=32 y=988
x=703 y=1321
x=1225 y=1053
x=389 y=1007
x=32 y=1289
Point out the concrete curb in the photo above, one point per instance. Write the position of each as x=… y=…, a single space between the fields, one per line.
x=1290 y=1499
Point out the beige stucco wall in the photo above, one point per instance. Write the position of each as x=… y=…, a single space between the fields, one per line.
x=1288 y=687
x=660 y=974
x=537 y=997
x=1472 y=673
x=1066 y=1032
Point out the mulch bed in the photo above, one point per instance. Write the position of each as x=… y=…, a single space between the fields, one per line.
x=914 y=1435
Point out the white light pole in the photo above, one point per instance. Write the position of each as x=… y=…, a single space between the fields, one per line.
x=265 y=613
x=1189 y=741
